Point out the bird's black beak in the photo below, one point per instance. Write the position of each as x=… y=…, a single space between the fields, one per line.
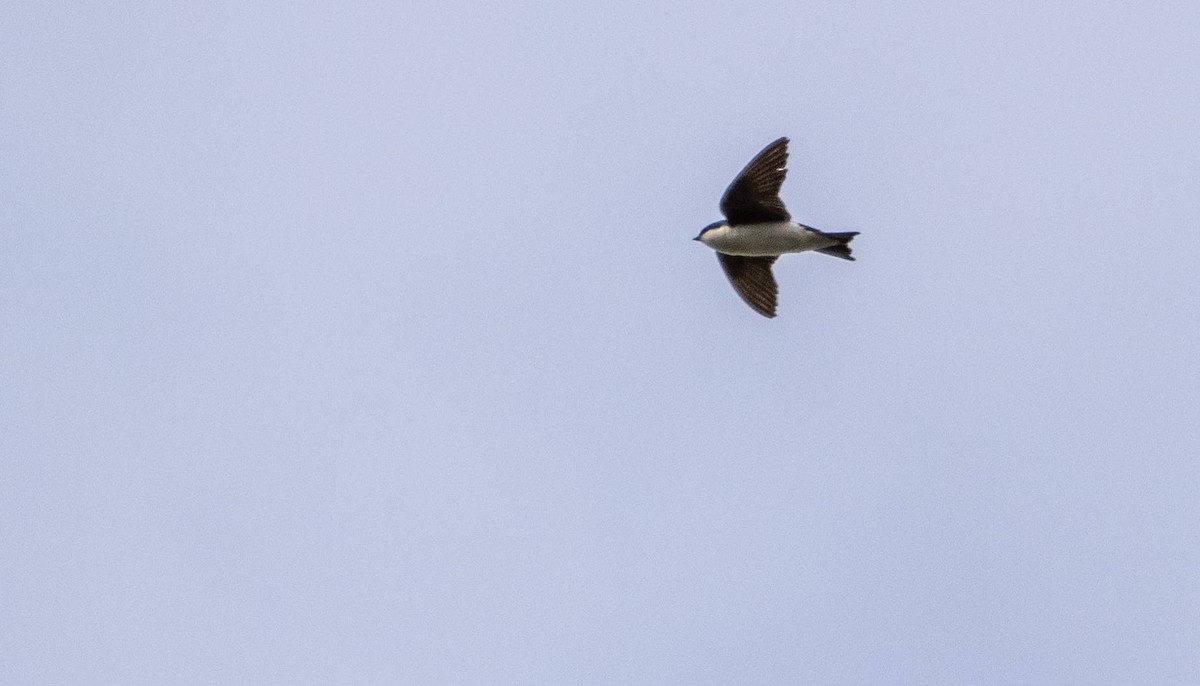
x=696 y=238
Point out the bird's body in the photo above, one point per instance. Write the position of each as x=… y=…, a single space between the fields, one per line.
x=758 y=229
x=765 y=239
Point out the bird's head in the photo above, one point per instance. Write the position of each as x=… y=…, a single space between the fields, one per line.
x=710 y=227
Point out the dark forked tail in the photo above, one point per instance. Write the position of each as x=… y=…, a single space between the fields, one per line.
x=842 y=249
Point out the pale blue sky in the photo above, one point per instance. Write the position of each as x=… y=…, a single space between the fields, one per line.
x=365 y=342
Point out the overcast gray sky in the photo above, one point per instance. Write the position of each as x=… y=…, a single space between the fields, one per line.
x=365 y=342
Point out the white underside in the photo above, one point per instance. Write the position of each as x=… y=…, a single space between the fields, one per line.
x=765 y=240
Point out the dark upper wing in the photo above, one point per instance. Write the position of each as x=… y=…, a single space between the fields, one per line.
x=753 y=197
x=752 y=279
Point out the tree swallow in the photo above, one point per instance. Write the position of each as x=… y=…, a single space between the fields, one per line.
x=758 y=229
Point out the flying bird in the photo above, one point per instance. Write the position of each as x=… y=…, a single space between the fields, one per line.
x=757 y=229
